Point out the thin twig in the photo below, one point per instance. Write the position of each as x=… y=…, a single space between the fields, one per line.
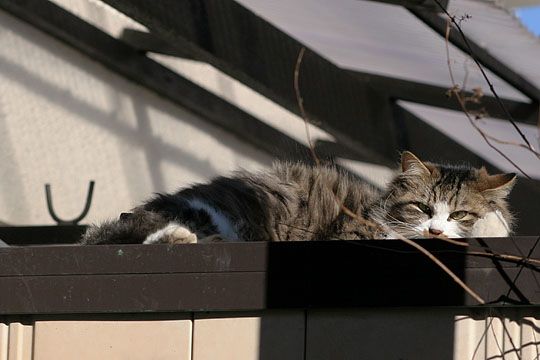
x=486 y=138
x=513 y=143
x=365 y=221
x=491 y=87
x=297 y=228
x=456 y=92
x=507 y=295
x=475 y=251
x=300 y=101
x=428 y=254
x=506 y=257
x=501 y=352
x=445 y=238
x=442 y=266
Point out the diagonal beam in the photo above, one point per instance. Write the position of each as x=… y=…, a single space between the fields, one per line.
x=135 y=66
x=248 y=48
x=426 y=5
x=434 y=95
x=392 y=88
x=146 y=42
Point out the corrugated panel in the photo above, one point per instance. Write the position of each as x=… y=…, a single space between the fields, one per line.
x=20 y=342
x=456 y=126
x=502 y=34
x=496 y=338
x=422 y=335
x=4 y=338
x=374 y=37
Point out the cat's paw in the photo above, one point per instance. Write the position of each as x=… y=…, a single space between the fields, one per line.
x=492 y=224
x=173 y=233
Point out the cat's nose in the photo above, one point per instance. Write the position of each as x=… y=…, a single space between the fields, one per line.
x=435 y=231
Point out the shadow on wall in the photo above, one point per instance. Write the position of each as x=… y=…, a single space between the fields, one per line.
x=365 y=300
x=136 y=137
x=11 y=189
x=400 y=333
x=350 y=293
x=141 y=178
x=380 y=334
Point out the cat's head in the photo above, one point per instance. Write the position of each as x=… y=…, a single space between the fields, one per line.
x=455 y=201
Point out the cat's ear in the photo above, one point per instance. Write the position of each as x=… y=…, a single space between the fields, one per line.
x=413 y=165
x=498 y=185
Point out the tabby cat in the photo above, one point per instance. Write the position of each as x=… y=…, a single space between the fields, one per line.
x=300 y=202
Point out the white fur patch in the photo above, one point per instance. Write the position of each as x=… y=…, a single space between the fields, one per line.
x=224 y=225
x=440 y=221
x=173 y=231
x=492 y=224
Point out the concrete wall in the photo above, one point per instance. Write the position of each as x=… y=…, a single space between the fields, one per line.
x=385 y=334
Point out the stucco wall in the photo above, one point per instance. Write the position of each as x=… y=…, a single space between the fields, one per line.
x=66 y=120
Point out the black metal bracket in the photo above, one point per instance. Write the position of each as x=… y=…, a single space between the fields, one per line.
x=76 y=220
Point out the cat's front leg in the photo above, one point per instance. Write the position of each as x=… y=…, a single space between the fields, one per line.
x=173 y=233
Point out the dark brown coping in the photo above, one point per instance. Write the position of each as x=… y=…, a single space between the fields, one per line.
x=41 y=235
x=256 y=276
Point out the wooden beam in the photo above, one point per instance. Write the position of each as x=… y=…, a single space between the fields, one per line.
x=130 y=63
x=146 y=42
x=433 y=95
x=426 y=5
x=392 y=88
x=243 y=45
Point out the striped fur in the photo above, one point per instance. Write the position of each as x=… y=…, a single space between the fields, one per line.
x=299 y=202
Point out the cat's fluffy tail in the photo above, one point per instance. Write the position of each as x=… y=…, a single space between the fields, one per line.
x=129 y=229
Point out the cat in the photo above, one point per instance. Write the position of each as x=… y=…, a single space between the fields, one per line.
x=293 y=201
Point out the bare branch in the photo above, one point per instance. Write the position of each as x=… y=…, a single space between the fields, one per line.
x=484 y=75
x=458 y=95
x=300 y=101
x=366 y=222
x=442 y=266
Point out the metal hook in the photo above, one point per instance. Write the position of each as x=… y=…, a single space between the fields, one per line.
x=78 y=218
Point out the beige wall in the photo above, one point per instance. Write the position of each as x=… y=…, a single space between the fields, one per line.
x=374 y=334
x=66 y=120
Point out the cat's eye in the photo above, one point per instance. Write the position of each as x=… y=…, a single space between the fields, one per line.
x=458 y=215
x=424 y=208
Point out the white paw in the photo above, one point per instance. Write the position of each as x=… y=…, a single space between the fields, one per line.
x=491 y=225
x=173 y=233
